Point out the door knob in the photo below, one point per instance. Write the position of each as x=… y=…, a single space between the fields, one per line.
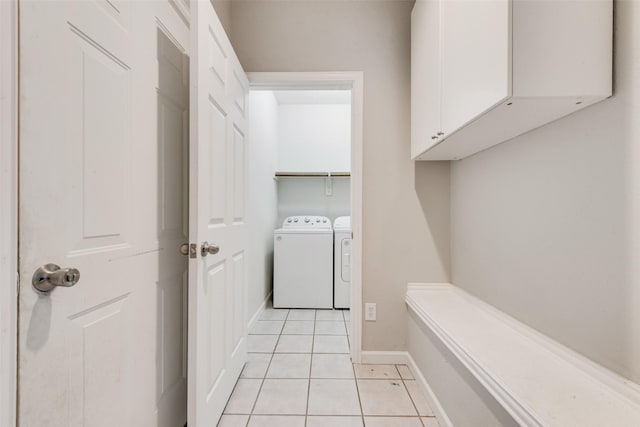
x=209 y=249
x=184 y=249
x=189 y=249
x=49 y=276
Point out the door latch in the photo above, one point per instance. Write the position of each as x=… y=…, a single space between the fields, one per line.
x=49 y=276
x=190 y=249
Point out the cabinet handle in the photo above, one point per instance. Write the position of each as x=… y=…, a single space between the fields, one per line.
x=434 y=137
x=440 y=133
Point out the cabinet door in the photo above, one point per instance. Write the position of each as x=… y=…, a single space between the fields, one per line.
x=425 y=75
x=476 y=59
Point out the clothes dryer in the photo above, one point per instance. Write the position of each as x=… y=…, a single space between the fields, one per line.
x=342 y=262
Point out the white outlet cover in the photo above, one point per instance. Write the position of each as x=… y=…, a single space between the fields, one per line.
x=370 y=311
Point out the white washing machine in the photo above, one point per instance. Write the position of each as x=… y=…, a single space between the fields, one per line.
x=303 y=263
x=342 y=262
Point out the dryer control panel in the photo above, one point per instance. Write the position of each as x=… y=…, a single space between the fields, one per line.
x=307 y=221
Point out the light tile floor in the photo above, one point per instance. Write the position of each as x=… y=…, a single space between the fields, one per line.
x=299 y=374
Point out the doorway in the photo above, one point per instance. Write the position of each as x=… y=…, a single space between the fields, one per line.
x=291 y=86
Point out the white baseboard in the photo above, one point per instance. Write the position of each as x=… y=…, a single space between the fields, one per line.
x=385 y=357
x=259 y=311
x=404 y=358
x=438 y=410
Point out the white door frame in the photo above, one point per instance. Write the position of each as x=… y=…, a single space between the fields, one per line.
x=353 y=80
x=8 y=209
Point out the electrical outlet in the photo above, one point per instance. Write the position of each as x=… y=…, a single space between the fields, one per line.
x=370 y=311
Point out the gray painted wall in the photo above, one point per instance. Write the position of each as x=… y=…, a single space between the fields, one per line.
x=547 y=227
x=406 y=206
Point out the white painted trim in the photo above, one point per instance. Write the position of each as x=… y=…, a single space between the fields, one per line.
x=385 y=357
x=8 y=209
x=258 y=312
x=433 y=401
x=353 y=80
x=621 y=389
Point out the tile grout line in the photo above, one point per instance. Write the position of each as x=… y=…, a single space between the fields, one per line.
x=410 y=397
x=348 y=337
x=313 y=339
x=355 y=379
x=273 y=353
x=253 y=407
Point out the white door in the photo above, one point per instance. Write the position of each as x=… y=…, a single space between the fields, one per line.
x=103 y=136
x=217 y=288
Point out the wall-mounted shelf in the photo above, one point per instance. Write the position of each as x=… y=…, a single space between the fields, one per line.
x=279 y=175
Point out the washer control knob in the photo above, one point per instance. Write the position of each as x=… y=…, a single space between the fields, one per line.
x=289 y=220
x=317 y=219
x=295 y=220
x=307 y=219
x=324 y=220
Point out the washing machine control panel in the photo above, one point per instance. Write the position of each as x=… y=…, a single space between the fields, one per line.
x=307 y=221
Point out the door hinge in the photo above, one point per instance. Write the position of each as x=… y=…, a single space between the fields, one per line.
x=17 y=283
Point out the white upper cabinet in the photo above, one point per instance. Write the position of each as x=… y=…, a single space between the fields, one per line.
x=476 y=58
x=485 y=71
x=425 y=62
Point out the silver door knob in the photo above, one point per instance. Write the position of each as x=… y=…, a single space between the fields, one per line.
x=49 y=276
x=209 y=249
x=184 y=249
x=190 y=249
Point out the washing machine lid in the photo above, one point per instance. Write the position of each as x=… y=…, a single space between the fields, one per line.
x=342 y=223
x=307 y=222
x=307 y=231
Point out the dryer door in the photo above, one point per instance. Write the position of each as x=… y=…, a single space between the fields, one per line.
x=345 y=271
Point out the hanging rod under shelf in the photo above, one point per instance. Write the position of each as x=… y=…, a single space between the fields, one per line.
x=311 y=174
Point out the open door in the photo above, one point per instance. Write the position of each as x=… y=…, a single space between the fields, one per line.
x=103 y=90
x=217 y=229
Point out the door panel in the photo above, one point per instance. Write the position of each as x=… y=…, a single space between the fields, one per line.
x=217 y=165
x=215 y=308
x=217 y=282
x=102 y=367
x=239 y=172
x=104 y=133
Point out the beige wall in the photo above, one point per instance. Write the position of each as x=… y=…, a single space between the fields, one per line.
x=223 y=10
x=405 y=225
x=547 y=226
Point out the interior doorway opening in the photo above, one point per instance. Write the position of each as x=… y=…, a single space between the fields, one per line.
x=312 y=148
